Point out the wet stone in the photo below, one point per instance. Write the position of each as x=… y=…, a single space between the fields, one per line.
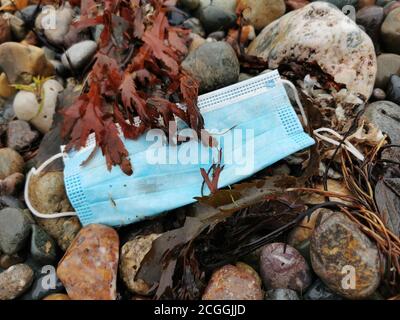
x=379 y=94
x=338 y=243
x=77 y=56
x=390 y=31
x=88 y=269
x=214 y=65
x=15 y=227
x=10 y=162
x=316 y=34
x=20 y=136
x=393 y=89
x=20 y=62
x=233 y=283
x=283 y=267
x=216 y=15
x=385 y=115
x=15 y=281
x=388 y=202
x=260 y=13
x=371 y=19
x=388 y=64
x=43 y=247
x=47 y=194
x=132 y=254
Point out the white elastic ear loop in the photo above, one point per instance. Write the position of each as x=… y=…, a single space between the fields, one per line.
x=297 y=98
x=37 y=171
x=350 y=147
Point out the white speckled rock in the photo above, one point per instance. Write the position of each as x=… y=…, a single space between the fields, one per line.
x=15 y=281
x=26 y=106
x=132 y=254
x=79 y=54
x=321 y=33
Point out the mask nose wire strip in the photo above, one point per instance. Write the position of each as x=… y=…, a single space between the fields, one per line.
x=35 y=172
x=348 y=145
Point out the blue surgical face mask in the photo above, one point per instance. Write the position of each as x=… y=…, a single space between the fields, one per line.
x=253 y=122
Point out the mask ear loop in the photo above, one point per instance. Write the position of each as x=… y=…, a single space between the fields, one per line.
x=348 y=145
x=297 y=98
x=35 y=172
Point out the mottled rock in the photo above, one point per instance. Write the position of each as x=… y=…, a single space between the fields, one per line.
x=47 y=195
x=393 y=89
x=132 y=254
x=390 y=31
x=20 y=136
x=281 y=294
x=10 y=162
x=79 y=54
x=319 y=291
x=216 y=14
x=214 y=65
x=233 y=283
x=283 y=267
x=15 y=281
x=43 y=247
x=260 y=13
x=57 y=296
x=385 y=115
x=319 y=33
x=388 y=64
x=15 y=227
x=20 y=62
x=88 y=269
x=338 y=247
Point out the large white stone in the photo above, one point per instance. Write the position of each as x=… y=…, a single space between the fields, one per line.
x=320 y=33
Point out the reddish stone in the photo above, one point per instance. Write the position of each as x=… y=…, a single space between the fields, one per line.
x=233 y=283
x=88 y=269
